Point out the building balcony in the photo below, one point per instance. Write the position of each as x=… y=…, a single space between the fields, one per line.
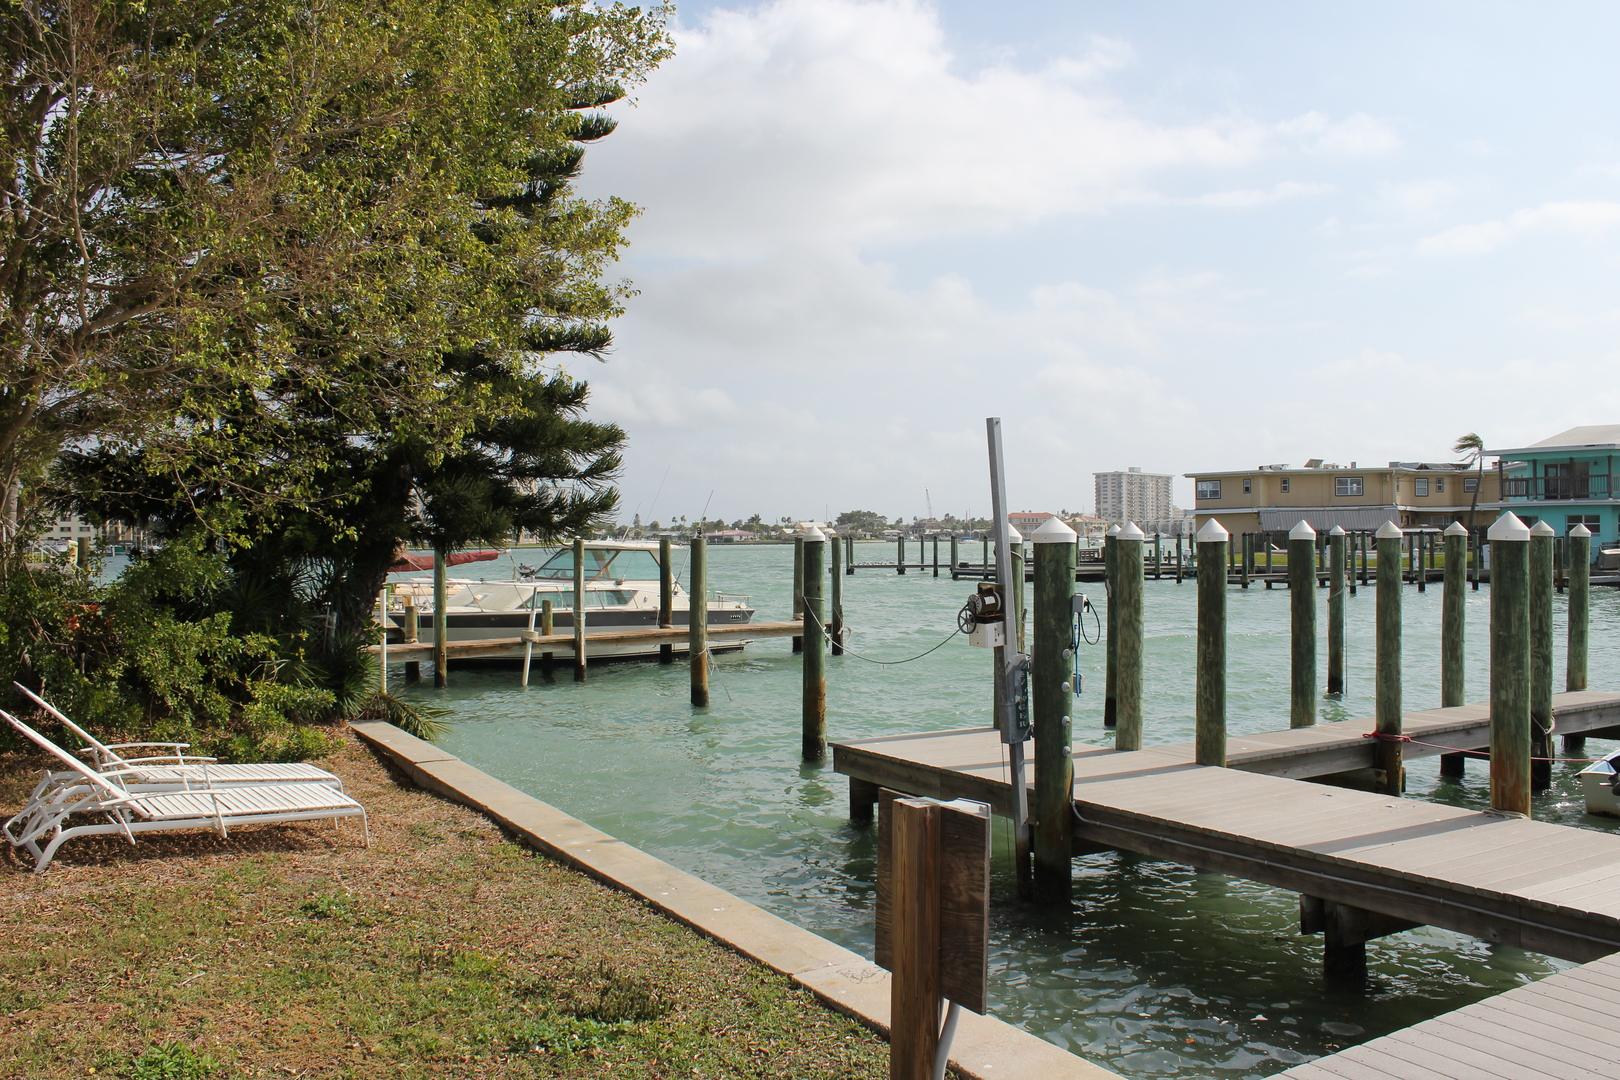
x=1557 y=488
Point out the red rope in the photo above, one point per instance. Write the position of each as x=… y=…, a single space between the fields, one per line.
x=1386 y=737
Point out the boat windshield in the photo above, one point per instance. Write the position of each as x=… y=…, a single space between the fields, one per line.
x=603 y=564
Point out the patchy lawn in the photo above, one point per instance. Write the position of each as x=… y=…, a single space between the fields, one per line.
x=444 y=950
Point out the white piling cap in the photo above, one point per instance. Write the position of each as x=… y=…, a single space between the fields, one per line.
x=1337 y=530
x=1508 y=527
x=1212 y=533
x=815 y=535
x=1541 y=528
x=1053 y=531
x=1014 y=536
x=1581 y=531
x=1302 y=531
x=1113 y=530
x=1131 y=532
x=1456 y=528
x=1389 y=531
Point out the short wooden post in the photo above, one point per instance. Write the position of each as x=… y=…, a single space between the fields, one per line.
x=1366 y=554
x=1542 y=571
x=813 y=719
x=955 y=555
x=1267 y=538
x=936 y=554
x=1210 y=686
x=412 y=628
x=1245 y=559
x=1178 y=558
x=1580 y=606
x=1351 y=540
x=1420 y=560
x=441 y=623
x=666 y=599
x=548 y=626
x=1051 y=706
x=984 y=565
x=798 y=587
x=1338 y=580
x=1302 y=640
x=1111 y=646
x=1387 y=753
x=579 y=609
x=1158 y=555
x=697 y=622
x=900 y=554
x=1510 y=665
x=1474 y=559
x=914 y=1005
x=1558 y=563
x=1128 y=581
x=849 y=550
x=835 y=616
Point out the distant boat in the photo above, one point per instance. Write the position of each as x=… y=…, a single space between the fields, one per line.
x=621 y=593
x=1598 y=782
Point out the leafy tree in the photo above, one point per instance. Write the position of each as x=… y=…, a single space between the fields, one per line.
x=863 y=520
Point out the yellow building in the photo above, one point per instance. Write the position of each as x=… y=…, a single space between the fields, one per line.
x=1275 y=498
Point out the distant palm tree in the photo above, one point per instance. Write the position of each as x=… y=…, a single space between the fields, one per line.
x=1473 y=448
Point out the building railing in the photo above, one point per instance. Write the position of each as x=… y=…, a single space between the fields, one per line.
x=1558 y=487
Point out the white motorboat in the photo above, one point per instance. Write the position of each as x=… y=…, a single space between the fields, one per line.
x=621 y=592
x=1598 y=782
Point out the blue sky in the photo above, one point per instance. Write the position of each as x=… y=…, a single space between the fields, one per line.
x=1175 y=236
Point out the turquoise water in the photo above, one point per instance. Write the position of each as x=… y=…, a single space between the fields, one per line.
x=1153 y=970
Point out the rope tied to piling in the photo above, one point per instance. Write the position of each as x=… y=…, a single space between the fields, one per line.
x=1385 y=736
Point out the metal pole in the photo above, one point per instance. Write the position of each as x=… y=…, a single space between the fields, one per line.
x=1011 y=660
x=1387 y=659
x=1302 y=607
x=1510 y=665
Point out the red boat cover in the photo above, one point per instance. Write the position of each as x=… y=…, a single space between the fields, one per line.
x=425 y=562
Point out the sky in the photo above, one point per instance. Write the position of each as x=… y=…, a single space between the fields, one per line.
x=1176 y=236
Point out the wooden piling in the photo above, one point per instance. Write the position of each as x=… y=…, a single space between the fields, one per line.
x=1246 y=559
x=798 y=587
x=955 y=555
x=382 y=642
x=548 y=626
x=1580 y=606
x=1051 y=708
x=1178 y=558
x=1558 y=564
x=1510 y=665
x=914 y=991
x=697 y=622
x=410 y=629
x=849 y=550
x=441 y=623
x=1267 y=538
x=666 y=598
x=1158 y=555
x=1366 y=554
x=580 y=615
x=984 y=561
x=1451 y=617
x=1351 y=540
x=1338 y=580
x=813 y=718
x=1302 y=610
x=900 y=554
x=1387 y=660
x=1475 y=558
x=1543 y=552
x=936 y=554
x=1128 y=580
x=1210 y=685
x=835 y=614
x=1111 y=646
x=1420 y=561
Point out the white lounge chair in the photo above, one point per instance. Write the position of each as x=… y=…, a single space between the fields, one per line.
x=178 y=769
x=129 y=811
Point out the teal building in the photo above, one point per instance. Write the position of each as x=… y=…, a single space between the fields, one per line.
x=1566 y=480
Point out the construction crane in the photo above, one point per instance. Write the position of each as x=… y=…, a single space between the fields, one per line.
x=930 y=503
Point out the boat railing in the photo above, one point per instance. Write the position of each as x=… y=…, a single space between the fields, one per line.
x=742 y=598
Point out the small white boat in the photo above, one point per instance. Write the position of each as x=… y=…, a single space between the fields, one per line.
x=1598 y=781
x=621 y=593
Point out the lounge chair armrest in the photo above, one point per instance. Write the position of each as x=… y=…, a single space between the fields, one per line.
x=175 y=746
x=168 y=759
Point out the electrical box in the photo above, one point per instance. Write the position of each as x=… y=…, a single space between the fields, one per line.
x=989 y=629
x=988 y=635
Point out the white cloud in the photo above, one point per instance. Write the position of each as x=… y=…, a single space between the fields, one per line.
x=1576 y=218
x=1414 y=198
x=1359 y=135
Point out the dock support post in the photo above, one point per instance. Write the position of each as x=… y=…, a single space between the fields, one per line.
x=1245 y=558
x=1420 y=560
x=1543 y=552
x=1128 y=580
x=936 y=554
x=666 y=599
x=798 y=587
x=954 y=554
x=1338 y=579
x=1475 y=558
x=548 y=626
x=1210 y=685
x=412 y=628
x=1267 y=537
x=984 y=562
x=863 y=799
x=1510 y=665
x=528 y=644
x=1387 y=694
x=1302 y=608
x=1366 y=555
x=814 y=718
x=579 y=609
x=1580 y=606
x=1158 y=555
x=835 y=615
x=1111 y=646
x=1051 y=705
x=849 y=550
x=441 y=624
x=900 y=554
x=914 y=995
x=1452 y=634
x=1178 y=558
x=697 y=622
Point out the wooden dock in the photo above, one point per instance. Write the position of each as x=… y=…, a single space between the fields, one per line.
x=512 y=648
x=1538 y=886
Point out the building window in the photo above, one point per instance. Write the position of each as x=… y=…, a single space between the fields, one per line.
x=1245 y=485
x=1420 y=486
x=1285 y=485
x=1348 y=485
x=1440 y=485
x=1470 y=484
x=1591 y=521
x=1209 y=489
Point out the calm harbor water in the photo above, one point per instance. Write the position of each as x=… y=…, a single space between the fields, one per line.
x=1154 y=970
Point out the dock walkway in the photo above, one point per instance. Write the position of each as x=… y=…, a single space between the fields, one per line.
x=1538 y=886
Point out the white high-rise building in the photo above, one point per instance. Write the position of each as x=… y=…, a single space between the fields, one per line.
x=1134 y=495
